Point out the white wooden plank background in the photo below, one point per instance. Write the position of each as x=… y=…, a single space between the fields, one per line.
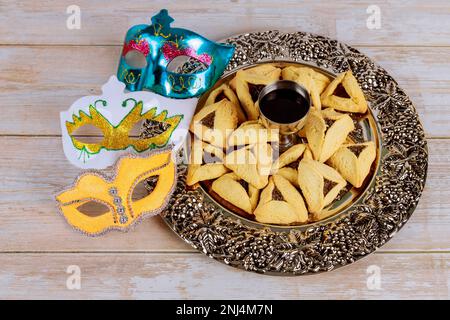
x=189 y=276
x=44 y=67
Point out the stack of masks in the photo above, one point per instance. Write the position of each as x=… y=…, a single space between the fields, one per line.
x=161 y=72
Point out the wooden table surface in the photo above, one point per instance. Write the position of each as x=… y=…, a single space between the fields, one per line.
x=44 y=67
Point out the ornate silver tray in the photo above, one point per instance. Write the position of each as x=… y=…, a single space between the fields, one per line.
x=366 y=225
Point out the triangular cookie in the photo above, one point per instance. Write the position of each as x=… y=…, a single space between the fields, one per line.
x=353 y=161
x=308 y=154
x=244 y=162
x=280 y=203
x=206 y=163
x=232 y=84
x=264 y=157
x=213 y=123
x=236 y=191
x=250 y=82
x=289 y=174
x=320 y=184
x=344 y=94
x=251 y=132
x=225 y=92
x=253 y=193
x=313 y=81
x=325 y=131
x=290 y=157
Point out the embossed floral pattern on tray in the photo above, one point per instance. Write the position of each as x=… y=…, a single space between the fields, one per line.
x=386 y=207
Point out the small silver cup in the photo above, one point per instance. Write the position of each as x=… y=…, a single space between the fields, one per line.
x=287 y=131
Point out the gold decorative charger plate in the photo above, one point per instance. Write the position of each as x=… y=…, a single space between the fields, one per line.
x=363 y=220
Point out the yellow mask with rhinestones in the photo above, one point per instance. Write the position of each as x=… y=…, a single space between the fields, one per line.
x=116 y=193
x=118 y=137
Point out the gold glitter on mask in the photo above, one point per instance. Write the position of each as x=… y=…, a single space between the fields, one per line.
x=118 y=137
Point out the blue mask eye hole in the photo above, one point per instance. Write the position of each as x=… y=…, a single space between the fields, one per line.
x=186 y=65
x=136 y=59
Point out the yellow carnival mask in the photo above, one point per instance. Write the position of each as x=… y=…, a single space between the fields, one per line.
x=116 y=193
x=116 y=113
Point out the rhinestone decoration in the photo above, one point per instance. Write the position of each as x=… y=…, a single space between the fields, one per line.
x=120 y=209
x=113 y=191
x=362 y=229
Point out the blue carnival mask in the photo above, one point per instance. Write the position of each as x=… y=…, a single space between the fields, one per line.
x=175 y=63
